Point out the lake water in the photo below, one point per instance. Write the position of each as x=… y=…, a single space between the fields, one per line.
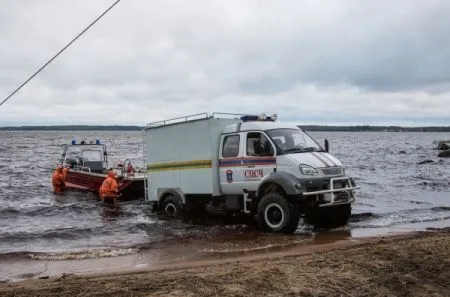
x=396 y=194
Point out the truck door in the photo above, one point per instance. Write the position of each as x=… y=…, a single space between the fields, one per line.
x=259 y=159
x=230 y=164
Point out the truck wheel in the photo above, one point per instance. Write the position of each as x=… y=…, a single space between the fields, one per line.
x=275 y=214
x=331 y=217
x=172 y=206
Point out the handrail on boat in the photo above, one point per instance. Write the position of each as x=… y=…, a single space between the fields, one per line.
x=82 y=168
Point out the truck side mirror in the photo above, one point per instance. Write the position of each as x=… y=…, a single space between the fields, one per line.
x=327 y=145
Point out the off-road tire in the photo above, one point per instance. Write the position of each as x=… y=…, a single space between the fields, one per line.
x=330 y=217
x=172 y=206
x=271 y=207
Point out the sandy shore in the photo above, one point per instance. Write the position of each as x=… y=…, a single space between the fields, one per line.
x=415 y=264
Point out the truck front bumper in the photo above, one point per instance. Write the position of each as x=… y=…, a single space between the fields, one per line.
x=329 y=192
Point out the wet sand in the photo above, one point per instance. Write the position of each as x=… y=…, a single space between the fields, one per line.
x=413 y=264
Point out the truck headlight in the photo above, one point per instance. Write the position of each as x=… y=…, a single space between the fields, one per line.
x=308 y=170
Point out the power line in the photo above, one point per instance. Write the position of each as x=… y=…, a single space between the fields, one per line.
x=54 y=57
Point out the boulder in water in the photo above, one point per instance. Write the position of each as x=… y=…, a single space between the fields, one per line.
x=425 y=162
x=402 y=152
x=444 y=154
x=443 y=145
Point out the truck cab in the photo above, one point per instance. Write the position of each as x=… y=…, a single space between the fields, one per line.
x=274 y=172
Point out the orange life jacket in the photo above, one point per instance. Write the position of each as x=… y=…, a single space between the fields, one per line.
x=58 y=180
x=65 y=171
x=109 y=187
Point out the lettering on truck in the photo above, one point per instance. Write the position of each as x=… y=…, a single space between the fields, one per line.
x=253 y=174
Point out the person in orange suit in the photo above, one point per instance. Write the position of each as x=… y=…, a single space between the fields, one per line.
x=109 y=188
x=58 y=180
x=65 y=171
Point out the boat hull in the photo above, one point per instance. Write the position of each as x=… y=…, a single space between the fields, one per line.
x=130 y=188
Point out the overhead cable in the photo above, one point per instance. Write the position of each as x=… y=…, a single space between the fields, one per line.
x=64 y=48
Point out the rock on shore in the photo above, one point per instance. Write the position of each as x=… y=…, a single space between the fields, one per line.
x=444 y=154
x=443 y=145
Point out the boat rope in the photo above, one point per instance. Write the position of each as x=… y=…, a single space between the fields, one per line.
x=64 y=48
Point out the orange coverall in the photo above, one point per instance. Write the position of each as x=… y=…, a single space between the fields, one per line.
x=109 y=188
x=65 y=171
x=58 y=180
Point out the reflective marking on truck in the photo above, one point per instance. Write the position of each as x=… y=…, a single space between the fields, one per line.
x=196 y=164
x=260 y=161
x=230 y=162
x=246 y=162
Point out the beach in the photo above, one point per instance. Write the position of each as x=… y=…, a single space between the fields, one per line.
x=411 y=264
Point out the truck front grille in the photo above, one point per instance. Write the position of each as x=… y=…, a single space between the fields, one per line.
x=331 y=171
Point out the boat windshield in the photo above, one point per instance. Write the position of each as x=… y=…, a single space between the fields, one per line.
x=84 y=155
x=292 y=141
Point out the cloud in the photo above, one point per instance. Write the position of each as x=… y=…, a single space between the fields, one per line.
x=328 y=61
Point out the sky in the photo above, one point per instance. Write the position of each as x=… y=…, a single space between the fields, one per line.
x=311 y=62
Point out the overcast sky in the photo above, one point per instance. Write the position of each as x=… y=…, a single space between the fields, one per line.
x=311 y=62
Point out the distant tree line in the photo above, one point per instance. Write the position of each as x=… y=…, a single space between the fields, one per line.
x=73 y=128
x=360 y=128
x=367 y=128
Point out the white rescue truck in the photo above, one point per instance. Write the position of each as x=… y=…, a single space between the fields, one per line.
x=245 y=164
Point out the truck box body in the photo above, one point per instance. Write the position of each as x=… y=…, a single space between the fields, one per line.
x=251 y=165
x=184 y=156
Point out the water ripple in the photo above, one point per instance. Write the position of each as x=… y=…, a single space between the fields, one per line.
x=394 y=190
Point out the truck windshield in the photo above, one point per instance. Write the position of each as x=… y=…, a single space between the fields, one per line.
x=293 y=141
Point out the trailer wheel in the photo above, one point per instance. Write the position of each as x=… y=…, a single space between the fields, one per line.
x=172 y=206
x=331 y=217
x=275 y=214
